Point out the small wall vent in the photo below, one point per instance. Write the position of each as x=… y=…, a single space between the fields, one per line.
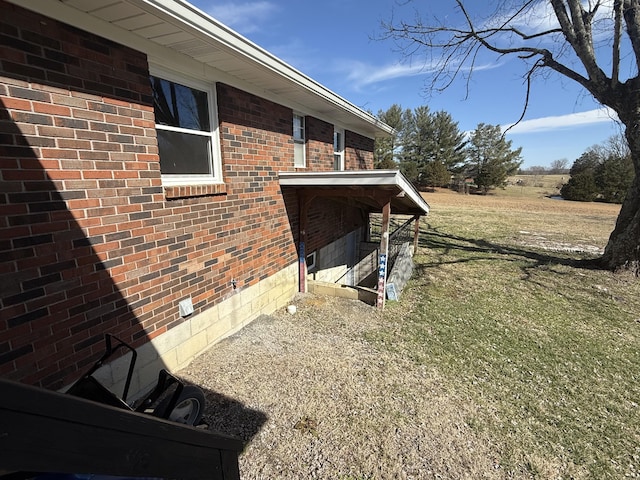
x=185 y=307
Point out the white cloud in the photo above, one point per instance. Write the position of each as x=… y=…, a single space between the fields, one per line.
x=571 y=120
x=361 y=74
x=537 y=17
x=243 y=17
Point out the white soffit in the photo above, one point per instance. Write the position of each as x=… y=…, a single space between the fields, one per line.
x=183 y=28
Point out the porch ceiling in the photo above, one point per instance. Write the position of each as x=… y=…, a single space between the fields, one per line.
x=367 y=189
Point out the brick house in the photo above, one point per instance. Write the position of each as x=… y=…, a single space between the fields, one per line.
x=162 y=179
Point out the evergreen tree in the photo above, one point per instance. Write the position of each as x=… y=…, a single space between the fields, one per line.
x=409 y=169
x=603 y=172
x=431 y=141
x=408 y=156
x=581 y=187
x=613 y=178
x=588 y=161
x=490 y=158
x=386 y=148
x=435 y=174
x=417 y=136
x=449 y=145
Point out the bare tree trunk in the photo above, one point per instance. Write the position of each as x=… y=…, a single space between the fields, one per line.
x=623 y=249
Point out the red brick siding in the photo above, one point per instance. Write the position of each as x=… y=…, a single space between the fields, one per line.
x=329 y=221
x=319 y=145
x=358 y=152
x=248 y=135
x=256 y=143
x=79 y=175
x=90 y=241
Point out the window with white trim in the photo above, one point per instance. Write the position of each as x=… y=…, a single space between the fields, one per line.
x=299 y=159
x=311 y=262
x=186 y=126
x=338 y=149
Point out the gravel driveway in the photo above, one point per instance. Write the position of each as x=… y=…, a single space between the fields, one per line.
x=313 y=399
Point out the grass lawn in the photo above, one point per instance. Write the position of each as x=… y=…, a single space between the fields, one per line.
x=546 y=349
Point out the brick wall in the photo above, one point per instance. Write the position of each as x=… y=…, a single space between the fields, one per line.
x=329 y=220
x=90 y=241
x=79 y=173
x=256 y=143
x=358 y=152
x=319 y=145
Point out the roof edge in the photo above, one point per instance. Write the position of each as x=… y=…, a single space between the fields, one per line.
x=364 y=178
x=191 y=19
x=191 y=16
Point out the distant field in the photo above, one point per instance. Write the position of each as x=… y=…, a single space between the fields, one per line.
x=535 y=185
x=522 y=214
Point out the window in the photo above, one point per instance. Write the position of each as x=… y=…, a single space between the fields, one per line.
x=186 y=127
x=311 y=262
x=338 y=149
x=298 y=141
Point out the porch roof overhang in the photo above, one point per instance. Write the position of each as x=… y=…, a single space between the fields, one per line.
x=176 y=31
x=367 y=189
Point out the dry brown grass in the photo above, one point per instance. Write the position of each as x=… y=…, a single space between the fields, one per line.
x=527 y=219
x=510 y=199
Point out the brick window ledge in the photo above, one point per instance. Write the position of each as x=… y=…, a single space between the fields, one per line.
x=187 y=191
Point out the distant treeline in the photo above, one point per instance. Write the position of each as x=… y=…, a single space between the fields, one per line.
x=603 y=173
x=557 y=167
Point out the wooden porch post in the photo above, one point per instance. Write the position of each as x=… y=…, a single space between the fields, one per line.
x=416 y=232
x=382 y=258
x=304 y=201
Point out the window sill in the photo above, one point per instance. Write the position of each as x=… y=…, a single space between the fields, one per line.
x=187 y=191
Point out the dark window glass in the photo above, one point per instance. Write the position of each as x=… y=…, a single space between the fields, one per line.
x=183 y=153
x=180 y=106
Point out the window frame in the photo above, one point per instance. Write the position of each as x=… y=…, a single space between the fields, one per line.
x=339 y=152
x=311 y=260
x=215 y=155
x=299 y=163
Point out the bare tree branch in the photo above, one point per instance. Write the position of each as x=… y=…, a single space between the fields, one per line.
x=617 y=34
x=577 y=28
x=631 y=14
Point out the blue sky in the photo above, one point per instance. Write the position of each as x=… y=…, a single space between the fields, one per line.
x=331 y=41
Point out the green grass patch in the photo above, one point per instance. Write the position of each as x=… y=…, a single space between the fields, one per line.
x=546 y=348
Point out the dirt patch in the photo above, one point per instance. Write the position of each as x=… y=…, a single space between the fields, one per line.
x=314 y=399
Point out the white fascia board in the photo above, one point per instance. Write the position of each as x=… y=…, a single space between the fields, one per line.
x=340 y=178
x=409 y=189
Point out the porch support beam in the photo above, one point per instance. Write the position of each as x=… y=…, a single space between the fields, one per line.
x=304 y=200
x=383 y=255
x=416 y=232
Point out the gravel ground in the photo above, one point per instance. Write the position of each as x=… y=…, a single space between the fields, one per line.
x=313 y=399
